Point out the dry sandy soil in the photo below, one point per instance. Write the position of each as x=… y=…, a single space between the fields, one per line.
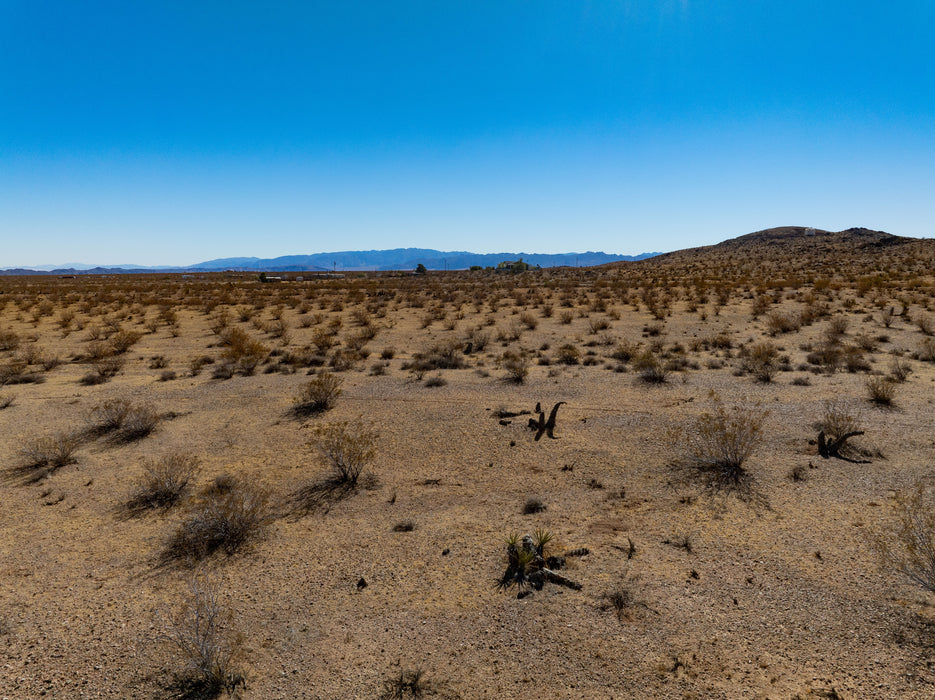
x=775 y=589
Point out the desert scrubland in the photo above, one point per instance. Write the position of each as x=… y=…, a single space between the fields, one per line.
x=321 y=488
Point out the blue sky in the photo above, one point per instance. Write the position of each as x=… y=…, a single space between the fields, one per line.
x=174 y=132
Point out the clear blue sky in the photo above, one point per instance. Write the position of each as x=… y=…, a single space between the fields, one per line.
x=174 y=132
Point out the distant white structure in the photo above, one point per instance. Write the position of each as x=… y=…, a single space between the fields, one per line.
x=810 y=232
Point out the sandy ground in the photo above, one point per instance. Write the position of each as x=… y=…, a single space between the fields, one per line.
x=780 y=596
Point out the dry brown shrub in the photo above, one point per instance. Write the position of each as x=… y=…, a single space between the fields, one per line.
x=717 y=443
x=881 y=390
x=222 y=519
x=201 y=633
x=163 y=483
x=346 y=447
x=913 y=552
x=40 y=457
x=318 y=395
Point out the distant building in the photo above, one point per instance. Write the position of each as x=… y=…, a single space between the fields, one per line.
x=513 y=266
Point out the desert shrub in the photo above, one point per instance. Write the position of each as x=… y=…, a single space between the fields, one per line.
x=123 y=340
x=242 y=351
x=900 y=371
x=761 y=360
x=346 y=447
x=6 y=401
x=913 y=553
x=404 y=526
x=444 y=355
x=167 y=375
x=717 y=443
x=568 y=354
x=163 y=483
x=158 y=362
x=201 y=634
x=778 y=322
x=596 y=325
x=925 y=323
x=435 y=381
x=926 y=351
x=222 y=519
x=881 y=390
x=516 y=365
x=123 y=420
x=838 y=418
x=533 y=505
x=476 y=341
x=318 y=395
x=624 y=352
x=407 y=683
x=41 y=456
x=650 y=369
x=529 y=320
x=9 y=340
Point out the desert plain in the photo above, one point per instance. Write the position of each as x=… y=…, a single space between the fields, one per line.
x=783 y=576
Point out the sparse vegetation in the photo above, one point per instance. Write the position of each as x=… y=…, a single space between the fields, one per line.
x=225 y=518
x=318 y=395
x=346 y=447
x=201 y=633
x=717 y=443
x=163 y=483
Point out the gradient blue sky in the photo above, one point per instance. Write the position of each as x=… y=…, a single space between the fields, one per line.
x=174 y=132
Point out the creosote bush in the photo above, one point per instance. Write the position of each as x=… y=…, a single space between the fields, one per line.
x=163 y=483
x=717 y=443
x=201 y=633
x=318 y=395
x=881 y=390
x=123 y=420
x=41 y=456
x=346 y=447
x=913 y=554
x=223 y=519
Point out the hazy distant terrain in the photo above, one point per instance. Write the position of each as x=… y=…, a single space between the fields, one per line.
x=356 y=260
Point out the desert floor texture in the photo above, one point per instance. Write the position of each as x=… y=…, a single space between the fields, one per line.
x=775 y=585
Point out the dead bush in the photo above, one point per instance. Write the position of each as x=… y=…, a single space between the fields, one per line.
x=42 y=456
x=123 y=420
x=516 y=365
x=761 y=360
x=568 y=354
x=881 y=390
x=241 y=351
x=650 y=369
x=318 y=395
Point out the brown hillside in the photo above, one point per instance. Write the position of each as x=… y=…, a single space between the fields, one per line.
x=803 y=252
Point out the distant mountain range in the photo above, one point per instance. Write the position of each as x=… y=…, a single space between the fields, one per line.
x=350 y=260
